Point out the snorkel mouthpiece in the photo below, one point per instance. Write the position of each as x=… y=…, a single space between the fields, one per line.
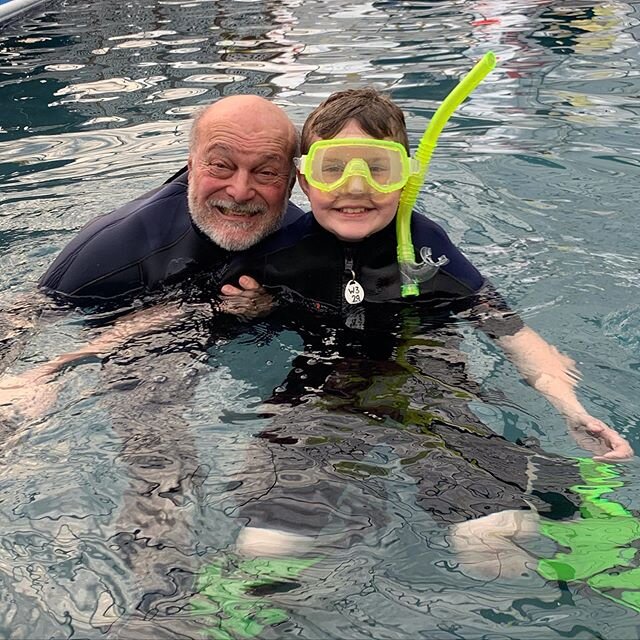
x=412 y=272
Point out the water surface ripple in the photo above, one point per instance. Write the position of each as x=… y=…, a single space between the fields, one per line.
x=138 y=479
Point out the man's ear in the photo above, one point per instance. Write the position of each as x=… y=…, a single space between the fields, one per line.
x=292 y=182
x=189 y=162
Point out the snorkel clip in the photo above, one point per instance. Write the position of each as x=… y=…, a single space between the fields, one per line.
x=412 y=273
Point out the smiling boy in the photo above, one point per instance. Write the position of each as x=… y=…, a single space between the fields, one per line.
x=340 y=259
x=353 y=166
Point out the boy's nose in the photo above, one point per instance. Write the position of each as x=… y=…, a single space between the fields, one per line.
x=356 y=185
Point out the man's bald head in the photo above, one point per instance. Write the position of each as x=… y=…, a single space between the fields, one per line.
x=253 y=113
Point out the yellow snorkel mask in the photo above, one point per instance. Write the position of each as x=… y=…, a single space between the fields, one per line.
x=410 y=270
x=383 y=164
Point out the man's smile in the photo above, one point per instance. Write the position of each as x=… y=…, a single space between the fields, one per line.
x=234 y=209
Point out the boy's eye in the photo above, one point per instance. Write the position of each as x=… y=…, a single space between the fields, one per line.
x=334 y=167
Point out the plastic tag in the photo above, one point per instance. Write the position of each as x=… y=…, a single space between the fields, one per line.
x=354 y=293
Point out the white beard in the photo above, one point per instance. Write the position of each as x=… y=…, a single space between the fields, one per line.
x=230 y=234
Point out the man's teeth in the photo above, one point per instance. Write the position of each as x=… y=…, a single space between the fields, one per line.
x=233 y=212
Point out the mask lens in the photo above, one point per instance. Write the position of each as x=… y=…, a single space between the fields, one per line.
x=382 y=167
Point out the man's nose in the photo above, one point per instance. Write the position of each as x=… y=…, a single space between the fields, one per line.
x=240 y=186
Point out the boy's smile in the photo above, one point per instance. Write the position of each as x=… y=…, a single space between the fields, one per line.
x=355 y=210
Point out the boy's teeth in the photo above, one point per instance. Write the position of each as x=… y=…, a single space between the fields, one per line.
x=353 y=210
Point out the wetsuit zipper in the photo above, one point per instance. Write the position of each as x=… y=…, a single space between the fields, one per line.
x=348 y=272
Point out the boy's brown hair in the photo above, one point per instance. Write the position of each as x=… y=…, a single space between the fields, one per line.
x=373 y=111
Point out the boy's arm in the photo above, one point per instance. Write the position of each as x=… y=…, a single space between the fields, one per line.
x=550 y=372
x=555 y=376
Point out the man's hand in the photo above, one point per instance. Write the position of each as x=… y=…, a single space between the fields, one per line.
x=248 y=301
x=595 y=436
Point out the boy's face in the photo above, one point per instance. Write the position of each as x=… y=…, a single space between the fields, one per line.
x=355 y=210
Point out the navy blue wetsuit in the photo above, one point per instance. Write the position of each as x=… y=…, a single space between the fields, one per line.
x=306 y=263
x=149 y=242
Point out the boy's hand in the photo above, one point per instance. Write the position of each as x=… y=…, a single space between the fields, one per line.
x=595 y=436
x=248 y=301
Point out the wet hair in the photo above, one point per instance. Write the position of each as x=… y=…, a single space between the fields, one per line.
x=376 y=114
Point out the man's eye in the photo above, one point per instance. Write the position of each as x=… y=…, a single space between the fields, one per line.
x=266 y=176
x=219 y=168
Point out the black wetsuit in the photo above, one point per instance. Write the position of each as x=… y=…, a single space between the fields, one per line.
x=309 y=260
x=389 y=383
x=305 y=264
x=147 y=243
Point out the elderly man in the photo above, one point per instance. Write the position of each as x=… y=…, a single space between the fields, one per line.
x=233 y=193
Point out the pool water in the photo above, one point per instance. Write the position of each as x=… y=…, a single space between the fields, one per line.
x=121 y=507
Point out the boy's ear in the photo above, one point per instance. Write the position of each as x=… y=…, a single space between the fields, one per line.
x=304 y=185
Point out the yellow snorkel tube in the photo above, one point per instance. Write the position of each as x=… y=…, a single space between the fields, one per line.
x=409 y=268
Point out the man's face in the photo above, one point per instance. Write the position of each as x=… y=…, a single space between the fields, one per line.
x=239 y=174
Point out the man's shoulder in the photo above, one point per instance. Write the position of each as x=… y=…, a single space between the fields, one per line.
x=292 y=214
x=158 y=206
x=168 y=201
x=272 y=250
x=117 y=241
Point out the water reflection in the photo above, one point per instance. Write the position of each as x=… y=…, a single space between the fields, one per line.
x=113 y=505
x=136 y=506
x=106 y=86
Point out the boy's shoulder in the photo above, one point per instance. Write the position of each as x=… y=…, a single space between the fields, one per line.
x=429 y=234
x=424 y=229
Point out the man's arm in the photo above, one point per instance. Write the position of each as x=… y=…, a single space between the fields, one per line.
x=555 y=376
x=30 y=393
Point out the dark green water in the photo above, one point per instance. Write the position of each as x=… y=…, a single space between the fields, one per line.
x=112 y=505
